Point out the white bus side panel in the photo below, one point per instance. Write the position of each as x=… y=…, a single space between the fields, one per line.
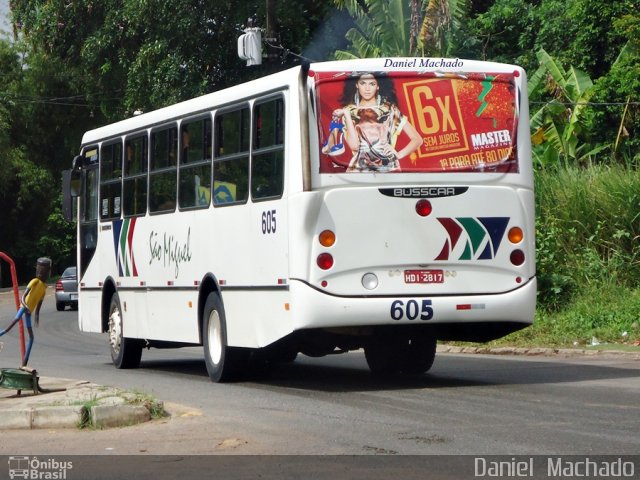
x=256 y=319
x=175 y=320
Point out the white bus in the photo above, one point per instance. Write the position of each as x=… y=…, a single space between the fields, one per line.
x=381 y=204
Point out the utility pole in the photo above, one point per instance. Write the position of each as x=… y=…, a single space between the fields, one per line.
x=250 y=43
x=270 y=33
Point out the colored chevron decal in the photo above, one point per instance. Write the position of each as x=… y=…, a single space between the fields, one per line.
x=482 y=238
x=123 y=231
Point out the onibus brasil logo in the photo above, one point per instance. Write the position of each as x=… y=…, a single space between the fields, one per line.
x=36 y=468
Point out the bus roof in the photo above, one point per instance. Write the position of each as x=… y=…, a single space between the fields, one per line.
x=193 y=106
x=276 y=81
x=413 y=64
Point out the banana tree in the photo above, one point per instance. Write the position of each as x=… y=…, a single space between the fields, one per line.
x=441 y=19
x=559 y=124
x=387 y=28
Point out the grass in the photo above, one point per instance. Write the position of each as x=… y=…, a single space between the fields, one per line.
x=588 y=258
x=601 y=315
x=153 y=405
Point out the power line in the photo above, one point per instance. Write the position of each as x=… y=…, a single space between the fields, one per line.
x=71 y=100
x=593 y=104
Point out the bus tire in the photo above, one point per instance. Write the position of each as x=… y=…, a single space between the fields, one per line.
x=223 y=363
x=418 y=356
x=125 y=352
x=382 y=354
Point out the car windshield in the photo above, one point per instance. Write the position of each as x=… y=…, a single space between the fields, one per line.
x=69 y=272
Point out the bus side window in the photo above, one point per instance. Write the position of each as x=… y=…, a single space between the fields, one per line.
x=163 y=170
x=231 y=160
x=135 y=176
x=267 y=161
x=195 y=164
x=111 y=180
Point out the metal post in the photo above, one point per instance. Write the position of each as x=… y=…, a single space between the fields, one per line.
x=16 y=294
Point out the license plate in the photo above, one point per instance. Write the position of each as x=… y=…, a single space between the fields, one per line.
x=424 y=276
x=73 y=297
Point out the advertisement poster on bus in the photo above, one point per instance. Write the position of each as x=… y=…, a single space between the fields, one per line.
x=416 y=122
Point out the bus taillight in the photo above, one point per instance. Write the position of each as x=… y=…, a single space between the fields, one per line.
x=424 y=208
x=325 y=261
x=516 y=235
x=517 y=257
x=327 y=238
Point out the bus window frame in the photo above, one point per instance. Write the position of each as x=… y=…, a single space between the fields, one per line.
x=273 y=148
x=87 y=167
x=190 y=165
x=128 y=176
x=105 y=144
x=245 y=104
x=164 y=170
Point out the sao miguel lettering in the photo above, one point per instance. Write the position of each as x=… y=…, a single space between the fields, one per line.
x=169 y=251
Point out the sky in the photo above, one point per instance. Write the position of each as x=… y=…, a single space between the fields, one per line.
x=4 y=18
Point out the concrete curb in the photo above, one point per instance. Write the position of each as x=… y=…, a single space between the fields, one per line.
x=541 y=352
x=42 y=417
x=78 y=404
x=109 y=416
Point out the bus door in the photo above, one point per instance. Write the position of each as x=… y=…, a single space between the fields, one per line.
x=88 y=224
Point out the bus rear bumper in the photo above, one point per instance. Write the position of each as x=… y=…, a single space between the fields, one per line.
x=463 y=317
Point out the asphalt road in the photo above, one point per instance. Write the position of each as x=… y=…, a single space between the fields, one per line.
x=467 y=404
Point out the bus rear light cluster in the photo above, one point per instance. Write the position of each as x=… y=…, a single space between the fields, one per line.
x=327 y=239
x=516 y=235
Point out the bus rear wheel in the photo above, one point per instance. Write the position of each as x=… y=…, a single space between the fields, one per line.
x=388 y=354
x=125 y=352
x=418 y=356
x=224 y=363
x=383 y=354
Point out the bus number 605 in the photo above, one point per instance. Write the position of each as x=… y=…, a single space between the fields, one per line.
x=412 y=310
x=268 y=222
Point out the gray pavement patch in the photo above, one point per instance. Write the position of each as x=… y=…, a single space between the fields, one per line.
x=81 y=403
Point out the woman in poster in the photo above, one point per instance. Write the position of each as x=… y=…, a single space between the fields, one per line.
x=372 y=124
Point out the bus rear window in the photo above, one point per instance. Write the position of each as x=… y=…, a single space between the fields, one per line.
x=416 y=122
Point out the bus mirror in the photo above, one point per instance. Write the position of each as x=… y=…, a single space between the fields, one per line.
x=75 y=184
x=71 y=188
x=76 y=165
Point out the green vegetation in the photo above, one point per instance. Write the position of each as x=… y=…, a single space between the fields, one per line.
x=115 y=396
x=155 y=406
x=588 y=254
